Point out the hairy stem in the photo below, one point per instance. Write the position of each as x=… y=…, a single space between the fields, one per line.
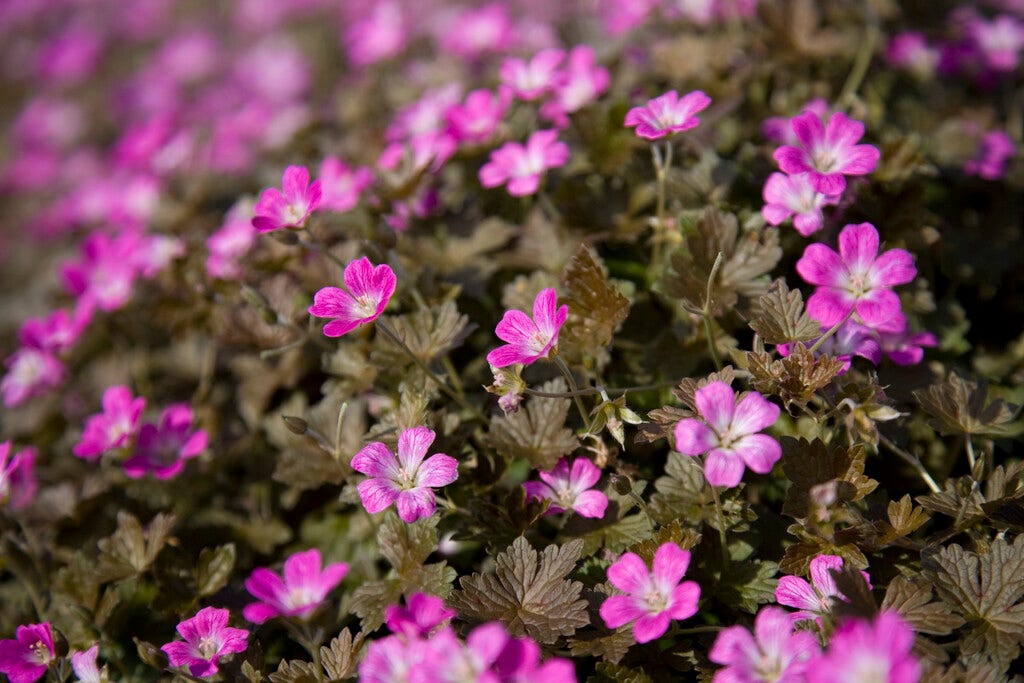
x=862 y=60
x=575 y=391
x=662 y=163
x=721 y=527
x=706 y=312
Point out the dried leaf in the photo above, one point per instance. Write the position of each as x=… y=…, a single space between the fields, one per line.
x=428 y=332
x=794 y=378
x=294 y=672
x=596 y=307
x=809 y=464
x=913 y=600
x=611 y=647
x=131 y=550
x=214 y=568
x=961 y=406
x=537 y=433
x=781 y=318
x=339 y=659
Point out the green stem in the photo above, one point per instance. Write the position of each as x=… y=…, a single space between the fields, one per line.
x=591 y=391
x=706 y=312
x=661 y=167
x=861 y=61
x=971 y=457
x=721 y=527
x=567 y=373
x=831 y=331
x=911 y=460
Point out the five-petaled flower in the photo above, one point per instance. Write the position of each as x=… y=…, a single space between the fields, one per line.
x=856 y=279
x=793 y=195
x=17 y=477
x=813 y=600
x=302 y=589
x=859 y=651
x=570 y=488
x=291 y=209
x=529 y=340
x=207 y=638
x=828 y=152
x=728 y=433
x=773 y=654
x=667 y=114
x=406 y=480
x=369 y=291
x=654 y=597
x=26 y=658
x=521 y=166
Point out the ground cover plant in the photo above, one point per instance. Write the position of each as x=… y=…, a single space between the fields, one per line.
x=423 y=340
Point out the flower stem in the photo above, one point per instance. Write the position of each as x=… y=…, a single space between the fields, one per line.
x=971 y=457
x=592 y=391
x=911 y=460
x=567 y=373
x=861 y=61
x=831 y=331
x=706 y=312
x=662 y=163
x=721 y=527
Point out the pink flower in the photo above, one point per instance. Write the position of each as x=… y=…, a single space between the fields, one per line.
x=793 y=195
x=667 y=114
x=856 y=279
x=303 y=588
x=904 y=348
x=580 y=83
x=619 y=17
x=476 y=120
x=989 y=162
x=392 y=660
x=529 y=340
x=381 y=35
x=529 y=80
x=478 y=30
x=231 y=242
x=162 y=449
x=521 y=167
x=774 y=654
x=105 y=275
x=26 y=658
x=55 y=333
x=569 y=489
x=728 y=433
x=862 y=650
x=999 y=41
x=406 y=480
x=30 y=372
x=207 y=638
x=115 y=427
x=910 y=51
x=17 y=477
x=369 y=291
x=828 y=152
x=422 y=615
x=777 y=129
x=519 y=662
x=84 y=666
x=342 y=185
x=813 y=600
x=653 y=598
x=275 y=210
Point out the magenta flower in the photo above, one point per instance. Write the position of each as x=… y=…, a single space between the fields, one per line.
x=570 y=489
x=30 y=372
x=17 y=477
x=667 y=114
x=529 y=80
x=161 y=450
x=342 y=185
x=476 y=120
x=207 y=638
x=814 y=599
x=369 y=291
x=519 y=662
x=231 y=242
x=422 y=615
x=521 y=167
x=999 y=41
x=828 y=152
x=406 y=480
x=114 y=427
x=26 y=658
x=528 y=339
x=55 y=333
x=910 y=51
x=774 y=654
x=303 y=588
x=581 y=82
x=728 y=433
x=381 y=35
x=653 y=598
x=906 y=348
x=291 y=209
x=85 y=668
x=995 y=149
x=856 y=279
x=793 y=195
x=392 y=660
x=862 y=650
x=105 y=275
x=777 y=128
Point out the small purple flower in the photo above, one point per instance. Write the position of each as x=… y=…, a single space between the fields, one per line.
x=17 y=477
x=814 y=599
x=115 y=427
x=581 y=82
x=728 y=432
x=856 y=279
x=529 y=340
x=161 y=450
x=369 y=291
x=422 y=615
x=910 y=51
x=774 y=654
x=291 y=209
x=861 y=650
x=84 y=666
x=995 y=149
x=793 y=195
x=303 y=588
x=667 y=114
x=522 y=166
x=207 y=638
x=828 y=152
x=999 y=41
x=654 y=597
x=407 y=480
x=570 y=489
x=906 y=348
x=341 y=186
x=26 y=658
x=519 y=662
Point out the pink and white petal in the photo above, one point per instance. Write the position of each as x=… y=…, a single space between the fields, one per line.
x=487 y=642
x=493 y=174
x=267 y=586
x=331 y=302
x=792 y=159
x=544 y=307
x=685 y=597
x=773 y=629
x=294 y=182
x=723 y=468
x=894 y=267
x=377 y=494
x=338 y=328
x=753 y=413
x=858 y=246
x=556 y=155
x=635 y=116
x=669 y=566
x=760 y=452
x=271 y=204
x=619 y=610
x=359 y=277
x=651 y=627
x=691 y=103
x=375 y=460
x=258 y=612
x=524 y=185
x=515 y=327
x=412 y=447
x=828 y=183
x=584 y=474
x=777 y=189
x=860 y=160
x=510 y=354
x=384 y=283
x=591 y=504
x=195 y=444
x=438 y=470
x=302 y=569
x=693 y=437
x=314 y=194
x=822 y=266
x=331 y=577
x=207 y=621
x=775 y=214
x=179 y=653
x=879 y=308
x=829 y=306
x=793 y=591
x=717 y=405
x=892 y=633
x=842 y=132
x=537 y=490
x=630 y=574
x=734 y=647
x=807 y=223
x=821 y=574
x=415 y=503
x=808 y=129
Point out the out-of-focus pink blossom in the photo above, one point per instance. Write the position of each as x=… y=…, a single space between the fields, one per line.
x=369 y=291
x=667 y=114
x=17 y=477
x=777 y=129
x=533 y=78
x=827 y=152
x=105 y=275
x=773 y=654
x=906 y=348
x=207 y=638
x=522 y=166
x=231 y=242
x=113 y=428
x=476 y=120
x=422 y=615
x=999 y=41
x=162 y=449
x=580 y=83
x=30 y=372
x=570 y=488
x=57 y=332
x=861 y=650
x=71 y=56
x=292 y=208
x=299 y=593
x=341 y=185
x=529 y=340
x=479 y=30
x=380 y=35
x=794 y=195
x=995 y=149
x=26 y=658
x=910 y=51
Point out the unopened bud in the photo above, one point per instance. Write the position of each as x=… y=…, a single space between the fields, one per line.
x=295 y=425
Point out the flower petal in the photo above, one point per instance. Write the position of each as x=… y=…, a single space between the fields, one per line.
x=651 y=627
x=619 y=610
x=858 y=246
x=760 y=452
x=438 y=470
x=693 y=437
x=413 y=504
x=723 y=468
x=412 y=447
x=716 y=403
x=822 y=266
x=377 y=494
x=630 y=574
x=753 y=413
x=376 y=460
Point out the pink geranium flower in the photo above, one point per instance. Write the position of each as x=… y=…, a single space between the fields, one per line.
x=580 y=83
x=728 y=432
x=999 y=41
x=303 y=588
x=380 y=35
x=30 y=372
x=291 y=209
x=812 y=600
x=422 y=615
x=85 y=668
x=105 y=275
x=793 y=195
x=654 y=598
x=851 y=339
x=529 y=340
x=828 y=152
x=906 y=348
x=856 y=279
x=521 y=166
x=231 y=242
x=57 y=332
x=570 y=489
x=115 y=427
x=161 y=450
x=407 y=480
x=342 y=185
x=26 y=658
x=777 y=129
x=207 y=638
x=910 y=51
x=995 y=149
x=17 y=477
x=773 y=654
x=369 y=291
x=531 y=79
x=476 y=119
x=667 y=114
x=861 y=650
